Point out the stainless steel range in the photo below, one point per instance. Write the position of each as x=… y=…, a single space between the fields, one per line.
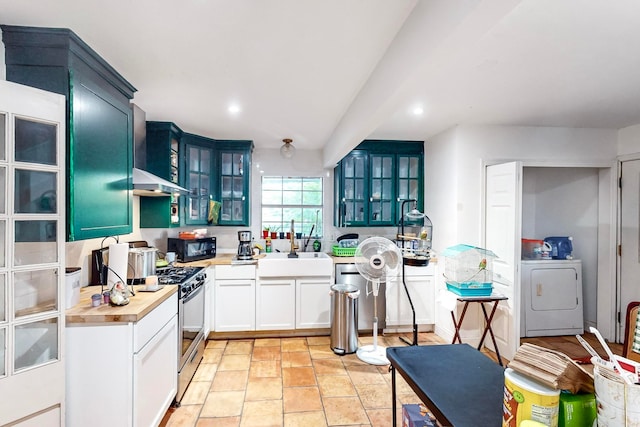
x=191 y=341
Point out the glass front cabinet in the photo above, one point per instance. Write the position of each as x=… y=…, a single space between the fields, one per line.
x=372 y=181
x=216 y=173
x=32 y=234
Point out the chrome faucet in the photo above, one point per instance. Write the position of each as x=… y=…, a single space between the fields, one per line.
x=292 y=252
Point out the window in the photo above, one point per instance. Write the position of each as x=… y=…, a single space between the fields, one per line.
x=292 y=198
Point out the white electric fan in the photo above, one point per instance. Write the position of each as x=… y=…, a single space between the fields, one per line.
x=376 y=258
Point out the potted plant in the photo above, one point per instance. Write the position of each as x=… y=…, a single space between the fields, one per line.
x=265 y=232
x=274 y=233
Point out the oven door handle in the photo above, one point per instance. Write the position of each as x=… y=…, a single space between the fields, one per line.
x=193 y=294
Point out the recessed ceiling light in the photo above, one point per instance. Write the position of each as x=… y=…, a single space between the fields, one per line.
x=417 y=111
x=234 y=108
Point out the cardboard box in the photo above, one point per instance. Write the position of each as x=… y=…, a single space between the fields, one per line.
x=416 y=415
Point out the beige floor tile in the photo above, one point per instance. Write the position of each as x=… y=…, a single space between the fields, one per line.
x=264 y=389
x=196 y=393
x=239 y=347
x=266 y=413
x=298 y=377
x=294 y=344
x=235 y=362
x=265 y=369
x=205 y=372
x=267 y=342
x=219 y=422
x=329 y=367
x=352 y=359
x=184 y=416
x=295 y=358
x=336 y=386
x=365 y=374
x=230 y=381
x=266 y=353
x=382 y=417
x=212 y=355
x=344 y=411
x=223 y=404
x=301 y=399
x=374 y=396
x=323 y=340
x=305 y=419
x=322 y=352
x=216 y=343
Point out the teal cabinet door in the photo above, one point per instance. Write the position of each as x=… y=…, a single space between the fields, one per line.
x=233 y=181
x=198 y=180
x=99 y=201
x=354 y=209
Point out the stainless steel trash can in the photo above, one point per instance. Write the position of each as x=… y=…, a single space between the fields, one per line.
x=344 y=319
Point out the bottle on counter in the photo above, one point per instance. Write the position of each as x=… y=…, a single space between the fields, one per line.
x=267 y=245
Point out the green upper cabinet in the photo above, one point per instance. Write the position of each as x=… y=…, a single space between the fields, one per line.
x=99 y=147
x=162 y=154
x=212 y=170
x=372 y=181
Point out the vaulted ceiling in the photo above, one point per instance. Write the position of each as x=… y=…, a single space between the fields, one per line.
x=329 y=73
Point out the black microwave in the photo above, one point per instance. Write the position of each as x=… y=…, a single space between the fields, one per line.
x=188 y=250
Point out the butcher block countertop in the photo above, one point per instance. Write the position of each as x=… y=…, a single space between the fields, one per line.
x=141 y=304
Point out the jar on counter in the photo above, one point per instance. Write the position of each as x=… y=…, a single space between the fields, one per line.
x=96 y=300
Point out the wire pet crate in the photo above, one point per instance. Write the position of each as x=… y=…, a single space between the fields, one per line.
x=468 y=270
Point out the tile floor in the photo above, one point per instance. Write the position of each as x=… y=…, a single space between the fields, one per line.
x=289 y=382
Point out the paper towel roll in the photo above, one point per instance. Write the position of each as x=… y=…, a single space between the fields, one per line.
x=118 y=263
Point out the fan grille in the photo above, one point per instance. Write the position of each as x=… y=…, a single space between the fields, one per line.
x=377 y=257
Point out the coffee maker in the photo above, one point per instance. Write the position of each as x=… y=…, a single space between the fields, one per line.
x=244 y=247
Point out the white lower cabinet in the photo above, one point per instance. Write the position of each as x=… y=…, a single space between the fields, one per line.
x=276 y=304
x=313 y=303
x=421 y=287
x=235 y=298
x=123 y=374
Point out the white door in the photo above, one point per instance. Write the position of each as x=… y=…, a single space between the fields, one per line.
x=629 y=239
x=503 y=190
x=32 y=275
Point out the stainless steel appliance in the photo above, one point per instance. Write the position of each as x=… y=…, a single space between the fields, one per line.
x=142 y=263
x=347 y=274
x=188 y=250
x=191 y=339
x=244 y=247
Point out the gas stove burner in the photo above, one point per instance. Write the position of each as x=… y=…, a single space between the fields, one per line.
x=176 y=275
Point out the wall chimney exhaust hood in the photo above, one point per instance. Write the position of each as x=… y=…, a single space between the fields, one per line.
x=147 y=184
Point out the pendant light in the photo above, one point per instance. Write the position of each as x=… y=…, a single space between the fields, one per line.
x=287 y=150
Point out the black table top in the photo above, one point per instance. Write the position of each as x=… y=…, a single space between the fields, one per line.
x=457 y=380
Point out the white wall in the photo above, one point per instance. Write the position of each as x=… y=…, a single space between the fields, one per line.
x=629 y=140
x=454 y=174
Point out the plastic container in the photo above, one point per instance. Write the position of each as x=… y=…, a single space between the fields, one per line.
x=96 y=300
x=526 y=399
x=532 y=248
x=344 y=319
x=72 y=282
x=339 y=251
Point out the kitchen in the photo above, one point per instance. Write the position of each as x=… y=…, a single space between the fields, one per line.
x=454 y=150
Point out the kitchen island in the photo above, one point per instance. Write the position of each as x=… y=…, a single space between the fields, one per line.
x=122 y=362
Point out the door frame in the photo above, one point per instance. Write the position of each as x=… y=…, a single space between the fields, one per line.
x=608 y=233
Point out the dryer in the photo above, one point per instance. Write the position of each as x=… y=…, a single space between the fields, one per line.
x=551 y=295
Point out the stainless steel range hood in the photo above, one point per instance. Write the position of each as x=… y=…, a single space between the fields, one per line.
x=145 y=183
x=148 y=184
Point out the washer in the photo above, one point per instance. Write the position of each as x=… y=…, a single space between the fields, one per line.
x=551 y=298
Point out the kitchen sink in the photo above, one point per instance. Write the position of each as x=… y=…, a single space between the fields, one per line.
x=278 y=264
